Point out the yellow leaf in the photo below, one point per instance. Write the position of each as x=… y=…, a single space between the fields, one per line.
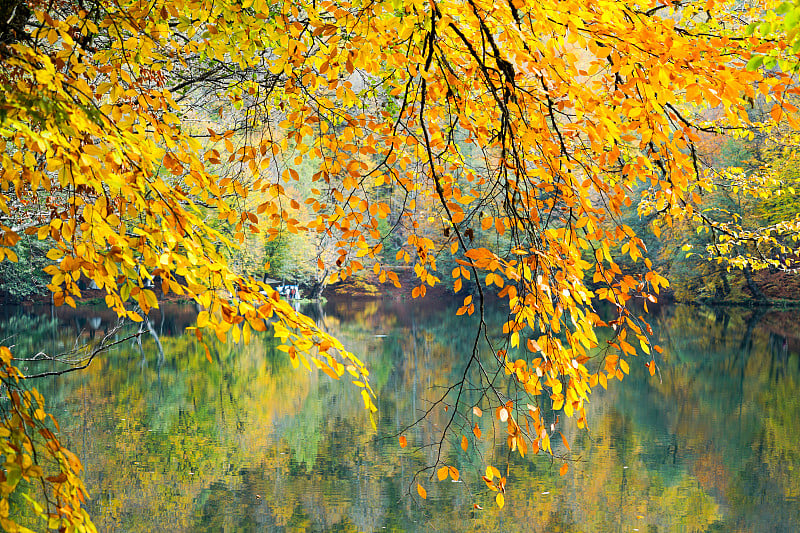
x=54 y=254
x=5 y=354
x=442 y=473
x=466 y=199
x=422 y=492
x=500 y=499
x=150 y=298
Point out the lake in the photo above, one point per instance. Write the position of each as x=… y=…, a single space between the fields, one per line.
x=173 y=442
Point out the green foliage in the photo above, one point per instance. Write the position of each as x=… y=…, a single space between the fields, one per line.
x=25 y=278
x=781 y=207
x=779 y=23
x=735 y=152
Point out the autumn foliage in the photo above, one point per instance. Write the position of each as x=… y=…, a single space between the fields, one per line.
x=145 y=141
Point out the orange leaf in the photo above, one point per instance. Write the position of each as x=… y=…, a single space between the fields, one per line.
x=563 y=469
x=464 y=443
x=442 y=473
x=422 y=492
x=328 y=370
x=453 y=473
x=477 y=431
x=403 y=441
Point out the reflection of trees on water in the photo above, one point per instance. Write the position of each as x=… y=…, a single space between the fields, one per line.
x=730 y=382
x=28 y=334
x=247 y=444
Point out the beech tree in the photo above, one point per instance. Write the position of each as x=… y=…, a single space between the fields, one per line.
x=143 y=140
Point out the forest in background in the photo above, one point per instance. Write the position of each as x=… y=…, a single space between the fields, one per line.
x=291 y=257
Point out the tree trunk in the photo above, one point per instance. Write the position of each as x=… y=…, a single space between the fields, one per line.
x=315 y=289
x=748 y=276
x=14 y=15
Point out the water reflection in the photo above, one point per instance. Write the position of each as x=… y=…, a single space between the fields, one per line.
x=173 y=442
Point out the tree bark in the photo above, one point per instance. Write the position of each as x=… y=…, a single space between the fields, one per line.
x=751 y=284
x=315 y=289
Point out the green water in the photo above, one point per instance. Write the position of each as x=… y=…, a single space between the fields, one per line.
x=171 y=442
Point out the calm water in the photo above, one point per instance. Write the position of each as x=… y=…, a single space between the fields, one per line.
x=171 y=442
